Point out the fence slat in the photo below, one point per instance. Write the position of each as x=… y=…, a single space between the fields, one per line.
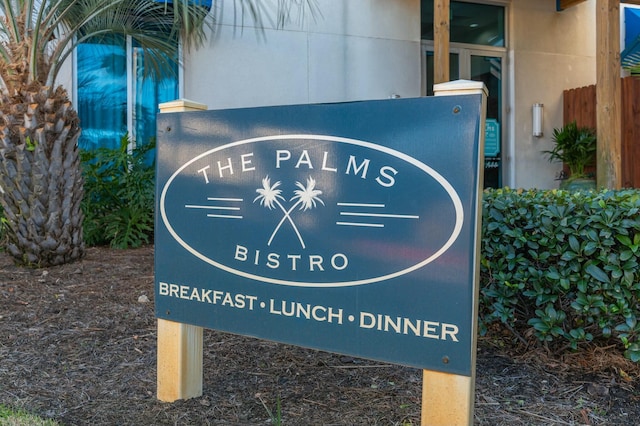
x=580 y=105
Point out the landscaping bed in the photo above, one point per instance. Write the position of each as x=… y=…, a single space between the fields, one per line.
x=78 y=345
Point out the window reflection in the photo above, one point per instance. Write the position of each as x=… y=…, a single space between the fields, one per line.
x=104 y=106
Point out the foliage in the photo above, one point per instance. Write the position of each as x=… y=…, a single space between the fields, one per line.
x=37 y=36
x=563 y=265
x=40 y=170
x=574 y=146
x=119 y=200
x=21 y=418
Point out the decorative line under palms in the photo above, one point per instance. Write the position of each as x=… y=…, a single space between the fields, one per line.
x=307 y=198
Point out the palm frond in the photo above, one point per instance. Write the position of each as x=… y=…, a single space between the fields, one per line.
x=262 y=12
x=12 y=27
x=301 y=8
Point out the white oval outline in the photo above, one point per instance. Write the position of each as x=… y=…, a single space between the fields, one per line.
x=428 y=170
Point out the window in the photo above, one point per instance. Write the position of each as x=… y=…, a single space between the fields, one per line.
x=114 y=96
x=471 y=23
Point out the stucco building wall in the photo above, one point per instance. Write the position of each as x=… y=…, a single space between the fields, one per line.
x=550 y=52
x=357 y=50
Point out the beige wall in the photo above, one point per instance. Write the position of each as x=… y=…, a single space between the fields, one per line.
x=550 y=51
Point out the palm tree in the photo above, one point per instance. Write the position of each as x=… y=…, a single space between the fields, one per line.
x=270 y=195
x=40 y=177
x=307 y=198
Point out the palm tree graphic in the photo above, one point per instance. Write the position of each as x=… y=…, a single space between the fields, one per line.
x=306 y=198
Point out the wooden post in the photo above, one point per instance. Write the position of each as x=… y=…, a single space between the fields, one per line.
x=608 y=94
x=441 y=12
x=447 y=399
x=179 y=360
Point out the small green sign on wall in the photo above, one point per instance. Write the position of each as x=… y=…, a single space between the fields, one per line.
x=492 y=138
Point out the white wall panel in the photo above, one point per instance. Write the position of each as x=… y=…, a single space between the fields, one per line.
x=397 y=19
x=353 y=50
x=357 y=68
x=239 y=71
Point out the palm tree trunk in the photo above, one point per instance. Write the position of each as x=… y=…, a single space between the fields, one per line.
x=40 y=177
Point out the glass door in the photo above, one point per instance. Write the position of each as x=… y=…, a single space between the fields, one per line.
x=488 y=69
x=486 y=66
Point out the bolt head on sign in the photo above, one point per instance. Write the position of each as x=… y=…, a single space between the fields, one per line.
x=348 y=227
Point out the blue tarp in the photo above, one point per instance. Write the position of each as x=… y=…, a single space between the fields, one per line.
x=630 y=56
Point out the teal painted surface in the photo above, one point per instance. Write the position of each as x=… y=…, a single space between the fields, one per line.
x=343 y=227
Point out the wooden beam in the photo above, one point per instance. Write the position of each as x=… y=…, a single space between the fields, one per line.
x=441 y=13
x=565 y=4
x=608 y=94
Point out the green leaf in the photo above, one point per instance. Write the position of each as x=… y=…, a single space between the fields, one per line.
x=597 y=273
x=552 y=275
x=574 y=244
x=590 y=248
x=633 y=352
x=624 y=240
x=626 y=255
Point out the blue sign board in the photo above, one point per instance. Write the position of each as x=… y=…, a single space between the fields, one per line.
x=350 y=227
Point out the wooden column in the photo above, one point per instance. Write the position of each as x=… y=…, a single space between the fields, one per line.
x=179 y=361
x=608 y=94
x=441 y=13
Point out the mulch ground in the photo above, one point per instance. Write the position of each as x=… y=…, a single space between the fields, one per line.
x=78 y=345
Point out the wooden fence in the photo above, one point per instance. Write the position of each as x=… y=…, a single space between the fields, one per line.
x=580 y=105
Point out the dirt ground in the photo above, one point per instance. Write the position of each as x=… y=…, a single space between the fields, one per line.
x=78 y=344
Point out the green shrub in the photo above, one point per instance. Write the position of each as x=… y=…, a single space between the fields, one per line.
x=563 y=265
x=119 y=195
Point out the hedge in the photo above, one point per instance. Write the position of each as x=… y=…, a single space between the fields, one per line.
x=563 y=265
